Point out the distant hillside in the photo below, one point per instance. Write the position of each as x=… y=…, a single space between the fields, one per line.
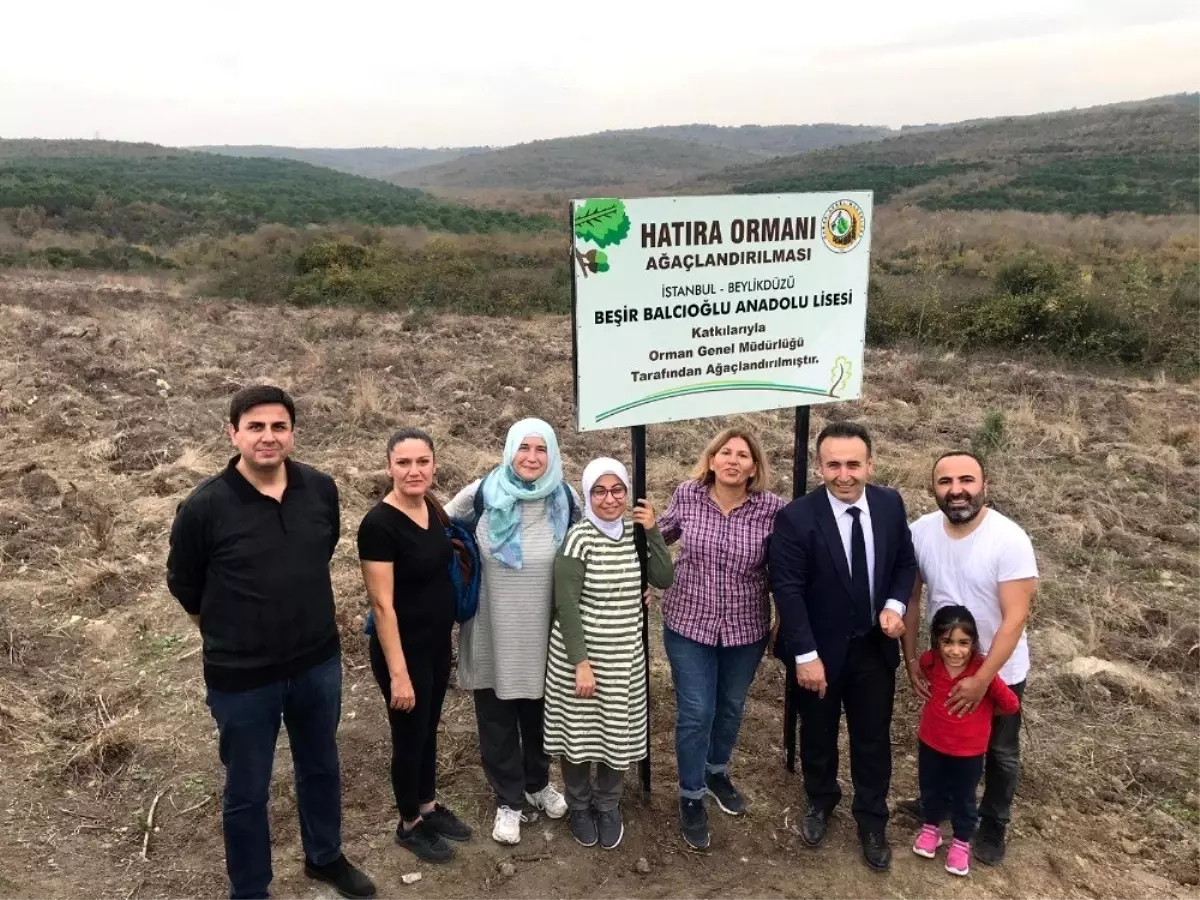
x=37 y=148
x=746 y=142
x=766 y=140
x=154 y=199
x=579 y=162
x=1142 y=157
x=373 y=162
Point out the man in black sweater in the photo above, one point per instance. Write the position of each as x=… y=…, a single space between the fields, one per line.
x=249 y=562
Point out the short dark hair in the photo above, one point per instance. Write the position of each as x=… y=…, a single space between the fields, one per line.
x=968 y=453
x=844 y=430
x=409 y=434
x=259 y=395
x=946 y=619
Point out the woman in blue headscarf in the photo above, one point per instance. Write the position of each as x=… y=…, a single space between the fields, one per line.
x=521 y=510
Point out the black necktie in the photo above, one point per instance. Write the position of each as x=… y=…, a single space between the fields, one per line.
x=860 y=581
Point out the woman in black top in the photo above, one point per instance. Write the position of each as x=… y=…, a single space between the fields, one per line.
x=405 y=556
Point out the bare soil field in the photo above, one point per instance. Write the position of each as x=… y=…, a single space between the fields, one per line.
x=112 y=398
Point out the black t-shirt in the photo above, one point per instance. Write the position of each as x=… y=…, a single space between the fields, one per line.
x=422 y=592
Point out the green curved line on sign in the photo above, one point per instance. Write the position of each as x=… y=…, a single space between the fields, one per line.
x=712 y=387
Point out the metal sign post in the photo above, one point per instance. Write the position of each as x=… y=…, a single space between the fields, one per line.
x=799 y=489
x=637 y=440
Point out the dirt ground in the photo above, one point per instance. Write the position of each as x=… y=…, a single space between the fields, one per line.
x=112 y=397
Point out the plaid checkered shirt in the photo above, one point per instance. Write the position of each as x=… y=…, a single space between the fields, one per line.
x=720 y=593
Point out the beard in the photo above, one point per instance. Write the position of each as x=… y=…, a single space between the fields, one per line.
x=960 y=515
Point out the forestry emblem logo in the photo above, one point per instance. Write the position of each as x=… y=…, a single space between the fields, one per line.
x=843 y=226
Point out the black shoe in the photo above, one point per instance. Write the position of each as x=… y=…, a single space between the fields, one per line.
x=876 y=851
x=722 y=790
x=814 y=825
x=610 y=826
x=989 y=844
x=911 y=809
x=346 y=880
x=693 y=823
x=447 y=824
x=424 y=842
x=583 y=827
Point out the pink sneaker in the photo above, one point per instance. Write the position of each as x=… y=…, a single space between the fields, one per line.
x=928 y=841
x=958 y=859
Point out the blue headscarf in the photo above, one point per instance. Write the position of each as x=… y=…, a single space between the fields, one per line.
x=503 y=488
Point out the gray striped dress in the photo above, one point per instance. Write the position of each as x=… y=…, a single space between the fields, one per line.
x=610 y=726
x=503 y=648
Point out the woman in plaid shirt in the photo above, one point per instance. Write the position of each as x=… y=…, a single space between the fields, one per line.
x=716 y=615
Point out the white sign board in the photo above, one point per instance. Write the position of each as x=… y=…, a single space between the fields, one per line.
x=690 y=307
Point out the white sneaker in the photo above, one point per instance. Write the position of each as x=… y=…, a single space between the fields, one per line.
x=549 y=800
x=507 y=827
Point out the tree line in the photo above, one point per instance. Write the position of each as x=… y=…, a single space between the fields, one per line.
x=159 y=200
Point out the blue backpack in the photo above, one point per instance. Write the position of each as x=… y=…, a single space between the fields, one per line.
x=465 y=569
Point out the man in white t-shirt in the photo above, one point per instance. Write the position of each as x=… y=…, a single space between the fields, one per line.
x=973 y=556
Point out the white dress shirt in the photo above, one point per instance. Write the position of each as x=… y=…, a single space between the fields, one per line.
x=845 y=524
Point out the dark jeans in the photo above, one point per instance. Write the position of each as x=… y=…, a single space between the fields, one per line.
x=865 y=687
x=1003 y=767
x=510 y=744
x=710 y=696
x=310 y=705
x=414 y=733
x=948 y=785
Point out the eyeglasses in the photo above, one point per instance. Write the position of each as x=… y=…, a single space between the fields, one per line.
x=618 y=492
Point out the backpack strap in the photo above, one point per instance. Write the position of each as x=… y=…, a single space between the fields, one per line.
x=571 y=507
x=439 y=510
x=477 y=504
x=461 y=551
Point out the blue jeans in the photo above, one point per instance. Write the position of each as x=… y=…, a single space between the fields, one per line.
x=310 y=705
x=710 y=695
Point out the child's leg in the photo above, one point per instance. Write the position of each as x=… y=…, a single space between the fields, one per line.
x=578 y=780
x=964 y=784
x=609 y=785
x=932 y=783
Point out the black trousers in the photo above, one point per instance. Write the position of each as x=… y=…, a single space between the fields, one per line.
x=948 y=785
x=1003 y=767
x=510 y=745
x=865 y=689
x=414 y=733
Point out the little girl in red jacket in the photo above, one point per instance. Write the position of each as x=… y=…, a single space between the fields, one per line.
x=953 y=747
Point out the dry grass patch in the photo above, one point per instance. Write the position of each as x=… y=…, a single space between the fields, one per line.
x=1102 y=471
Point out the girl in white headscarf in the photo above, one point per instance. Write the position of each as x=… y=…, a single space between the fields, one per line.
x=596 y=671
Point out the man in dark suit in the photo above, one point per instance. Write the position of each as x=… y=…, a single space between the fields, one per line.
x=841 y=564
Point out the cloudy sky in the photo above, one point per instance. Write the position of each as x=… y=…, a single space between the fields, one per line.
x=448 y=72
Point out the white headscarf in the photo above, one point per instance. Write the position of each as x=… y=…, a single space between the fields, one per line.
x=596 y=470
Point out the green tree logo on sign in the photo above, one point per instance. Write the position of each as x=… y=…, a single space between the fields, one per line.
x=602 y=222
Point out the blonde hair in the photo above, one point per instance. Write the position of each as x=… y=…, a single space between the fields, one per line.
x=759 y=481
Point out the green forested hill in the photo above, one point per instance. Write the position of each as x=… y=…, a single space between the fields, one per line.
x=1141 y=157
x=577 y=163
x=765 y=140
x=152 y=195
x=747 y=141
x=373 y=162
x=42 y=148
